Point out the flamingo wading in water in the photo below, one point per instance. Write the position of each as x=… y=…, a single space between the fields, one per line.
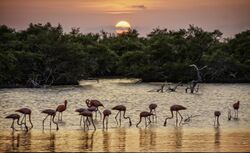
x=146 y=115
x=121 y=108
x=152 y=108
x=61 y=109
x=14 y=117
x=236 y=107
x=52 y=114
x=106 y=114
x=216 y=117
x=95 y=103
x=175 y=108
x=79 y=110
x=88 y=114
x=25 y=111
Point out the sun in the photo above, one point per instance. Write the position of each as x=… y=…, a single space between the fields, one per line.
x=122 y=27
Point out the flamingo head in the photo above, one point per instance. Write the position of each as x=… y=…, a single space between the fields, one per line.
x=88 y=102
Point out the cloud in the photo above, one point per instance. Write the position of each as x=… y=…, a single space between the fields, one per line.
x=143 y=7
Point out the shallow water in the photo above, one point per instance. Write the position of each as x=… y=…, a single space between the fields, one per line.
x=197 y=135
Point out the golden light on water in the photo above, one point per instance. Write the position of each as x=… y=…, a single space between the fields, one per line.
x=122 y=27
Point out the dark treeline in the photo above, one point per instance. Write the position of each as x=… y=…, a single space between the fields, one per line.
x=45 y=55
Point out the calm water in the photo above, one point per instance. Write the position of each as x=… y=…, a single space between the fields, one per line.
x=197 y=135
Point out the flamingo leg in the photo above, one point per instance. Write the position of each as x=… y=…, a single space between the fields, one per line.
x=145 y=121
x=181 y=117
x=107 y=120
x=26 y=127
x=12 y=125
x=99 y=112
x=53 y=120
x=116 y=117
x=30 y=121
x=22 y=120
x=120 y=119
x=103 y=121
x=149 y=120
x=155 y=116
x=81 y=120
x=176 y=115
x=93 y=123
x=88 y=121
x=84 y=124
x=218 y=123
x=44 y=120
x=50 y=121
x=214 y=120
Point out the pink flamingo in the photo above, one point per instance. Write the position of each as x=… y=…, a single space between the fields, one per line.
x=61 y=109
x=95 y=103
x=88 y=114
x=106 y=114
x=175 y=108
x=216 y=117
x=121 y=108
x=14 y=117
x=25 y=111
x=152 y=108
x=79 y=110
x=236 y=107
x=145 y=115
x=52 y=114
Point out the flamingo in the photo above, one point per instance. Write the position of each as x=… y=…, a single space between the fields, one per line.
x=52 y=114
x=14 y=117
x=216 y=117
x=106 y=113
x=121 y=108
x=79 y=110
x=175 y=108
x=236 y=107
x=61 y=109
x=95 y=103
x=88 y=114
x=25 y=111
x=152 y=108
x=145 y=115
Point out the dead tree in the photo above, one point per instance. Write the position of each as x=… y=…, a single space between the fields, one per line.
x=161 y=89
x=173 y=89
x=193 y=86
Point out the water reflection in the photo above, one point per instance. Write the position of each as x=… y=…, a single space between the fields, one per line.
x=217 y=138
x=106 y=141
x=15 y=141
x=178 y=136
x=25 y=140
x=121 y=139
x=87 y=139
x=147 y=139
x=127 y=139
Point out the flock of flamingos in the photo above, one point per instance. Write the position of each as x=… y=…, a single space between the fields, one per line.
x=93 y=106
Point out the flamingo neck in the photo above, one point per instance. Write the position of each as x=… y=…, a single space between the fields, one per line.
x=138 y=122
x=18 y=121
x=172 y=115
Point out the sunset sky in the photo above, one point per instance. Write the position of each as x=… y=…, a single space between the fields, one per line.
x=229 y=16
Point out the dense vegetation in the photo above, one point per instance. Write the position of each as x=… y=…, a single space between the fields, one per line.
x=45 y=55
